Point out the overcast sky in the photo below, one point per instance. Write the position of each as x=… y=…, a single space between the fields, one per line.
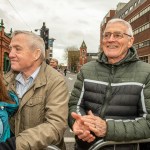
x=69 y=21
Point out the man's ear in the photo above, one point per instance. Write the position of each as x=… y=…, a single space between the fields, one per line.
x=37 y=54
x=130 y=43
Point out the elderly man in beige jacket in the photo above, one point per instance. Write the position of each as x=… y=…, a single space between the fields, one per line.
x=42 y=115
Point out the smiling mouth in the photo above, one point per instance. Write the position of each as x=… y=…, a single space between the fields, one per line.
x=112 y=46
x=13 y=61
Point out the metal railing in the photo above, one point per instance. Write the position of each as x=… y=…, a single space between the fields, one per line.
x=52 y=147
x=100 y=144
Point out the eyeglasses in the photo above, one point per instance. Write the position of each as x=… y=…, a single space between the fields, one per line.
x=116 y=35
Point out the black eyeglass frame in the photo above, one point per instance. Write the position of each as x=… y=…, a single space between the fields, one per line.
x=115 y=37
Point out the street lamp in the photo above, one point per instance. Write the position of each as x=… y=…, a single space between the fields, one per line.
x=44 y=33
x=37 y=30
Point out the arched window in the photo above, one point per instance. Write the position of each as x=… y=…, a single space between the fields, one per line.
x=6 y=65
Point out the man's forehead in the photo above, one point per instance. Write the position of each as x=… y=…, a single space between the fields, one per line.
x=114 y=27
x=20 y=36
x=114 y=24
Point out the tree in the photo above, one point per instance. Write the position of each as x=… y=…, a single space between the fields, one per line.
x=72 y=54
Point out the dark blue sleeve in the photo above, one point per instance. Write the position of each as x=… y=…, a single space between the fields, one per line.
x=10 y=144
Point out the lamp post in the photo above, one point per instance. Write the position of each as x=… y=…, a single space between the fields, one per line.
x=44 y=33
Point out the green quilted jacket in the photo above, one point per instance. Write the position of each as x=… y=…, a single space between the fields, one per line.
x=118 y=93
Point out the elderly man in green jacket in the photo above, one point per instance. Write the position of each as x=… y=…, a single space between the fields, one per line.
x=42 y=115
x=111 y=98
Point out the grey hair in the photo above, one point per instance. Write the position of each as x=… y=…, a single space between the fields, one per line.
x=35 y=41
x=125 y=23
x=54 y=59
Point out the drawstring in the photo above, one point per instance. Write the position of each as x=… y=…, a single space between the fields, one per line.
x=114 y=146
x=138 y=146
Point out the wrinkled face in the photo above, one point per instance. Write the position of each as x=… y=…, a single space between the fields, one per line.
x=114 y=46
x=22 y=58
x=53 y=64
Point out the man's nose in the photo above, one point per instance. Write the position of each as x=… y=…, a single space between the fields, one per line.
x=12 y=53
x=112 y=38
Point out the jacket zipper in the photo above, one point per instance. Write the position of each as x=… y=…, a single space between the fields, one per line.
x=108 y=94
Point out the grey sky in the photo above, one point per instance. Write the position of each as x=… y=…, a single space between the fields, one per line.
x=69 y=21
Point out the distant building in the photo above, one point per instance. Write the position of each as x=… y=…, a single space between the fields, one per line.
x=120 y=6
x=136 y=12
x=83 y=55
x=92 y=56
x=108 y=16
x=5 y=39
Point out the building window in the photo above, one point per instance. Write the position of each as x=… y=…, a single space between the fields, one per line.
x=83 y=53
x=6 y=65
x=146 y=43
x=140 y=14
x=142 y=44
x=126 y=12
x=131 y=7
x=145 y=59
x=50 y=55
x=148 y=26
x=136 y=46
x=141 y=28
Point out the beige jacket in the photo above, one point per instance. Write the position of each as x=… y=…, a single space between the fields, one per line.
x=42 y=115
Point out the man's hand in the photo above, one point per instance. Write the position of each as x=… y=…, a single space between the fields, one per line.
x=81 y=130
x=95 y=124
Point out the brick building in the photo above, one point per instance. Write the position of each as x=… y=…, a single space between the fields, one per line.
x=137 y=13
x=108 y=16
x=83 y=55
x=5 y=39
x=92 y=56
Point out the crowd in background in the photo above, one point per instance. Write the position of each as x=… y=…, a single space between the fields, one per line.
x=53 y=62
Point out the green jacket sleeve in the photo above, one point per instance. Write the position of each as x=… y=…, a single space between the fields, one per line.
x=125 y=130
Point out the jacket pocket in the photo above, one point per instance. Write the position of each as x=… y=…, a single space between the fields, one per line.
x=33 y=112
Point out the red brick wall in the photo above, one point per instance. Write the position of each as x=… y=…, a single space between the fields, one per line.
x=4 y=46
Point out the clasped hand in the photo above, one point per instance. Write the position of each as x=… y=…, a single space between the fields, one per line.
x=85 y=124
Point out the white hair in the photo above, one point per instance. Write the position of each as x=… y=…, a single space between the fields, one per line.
x=35 y=41
x=125 y=23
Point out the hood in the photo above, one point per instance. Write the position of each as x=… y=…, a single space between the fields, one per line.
x=11 y=107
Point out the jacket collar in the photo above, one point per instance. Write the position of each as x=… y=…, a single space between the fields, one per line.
x=39 y=81
x=41 y=78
